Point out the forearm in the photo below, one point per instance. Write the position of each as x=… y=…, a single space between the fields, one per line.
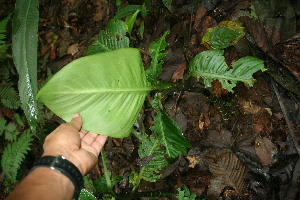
x=43 y=183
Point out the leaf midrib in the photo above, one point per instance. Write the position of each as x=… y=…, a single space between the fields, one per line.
x=119 y=90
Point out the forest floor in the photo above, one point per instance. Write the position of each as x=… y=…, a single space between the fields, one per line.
x=242 y=146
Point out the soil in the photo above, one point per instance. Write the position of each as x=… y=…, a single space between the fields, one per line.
x=241 y=142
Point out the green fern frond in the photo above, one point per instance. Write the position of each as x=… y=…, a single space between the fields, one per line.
x=14 y=154
x=3 y=45
x=9 y=96
x=10 y=130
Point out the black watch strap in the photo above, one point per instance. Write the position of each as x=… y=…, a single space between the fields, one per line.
x=65 y=167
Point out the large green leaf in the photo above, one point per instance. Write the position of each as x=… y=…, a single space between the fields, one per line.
x=210 y=65
x=127 y=10
x=112 y=38
x=107 y=89
x=24 y=47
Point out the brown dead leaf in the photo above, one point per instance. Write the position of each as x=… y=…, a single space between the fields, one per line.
x=193 y=161
x=249 y=107
x=218 y=90
x=99 y=11
x=73 y=49
x=227 y=170
x=263 y=124
x=204 y=121
x=265 y=150
x=178 y=74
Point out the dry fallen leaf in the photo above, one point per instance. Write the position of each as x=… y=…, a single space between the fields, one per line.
x=265 y=150
x=249 y=107
x=193 y=161
x=178 y=74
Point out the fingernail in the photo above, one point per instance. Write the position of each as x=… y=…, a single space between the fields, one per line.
x=76 y=115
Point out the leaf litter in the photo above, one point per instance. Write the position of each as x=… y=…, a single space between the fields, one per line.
x=241 y=156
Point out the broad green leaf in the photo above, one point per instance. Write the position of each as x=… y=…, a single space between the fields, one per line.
x=107 y=89
x=127 y=10
x=168 y=132
x=156 y=58
x=168 y=4
x=86 y=195
x=210 y=65
x=24 y=48
x=223 y=35
x=130 y=19
x=114 y=37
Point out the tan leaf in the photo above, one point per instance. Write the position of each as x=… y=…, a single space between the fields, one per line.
x=193 y=161
x=265 y=150
x=227 y=170
x=178 y=74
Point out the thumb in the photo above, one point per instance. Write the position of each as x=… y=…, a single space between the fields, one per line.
x=76 y=121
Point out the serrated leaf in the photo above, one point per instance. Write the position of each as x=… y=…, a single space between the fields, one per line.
x=185 y=194
x=223 y=35
x=24 y=48
x=107 y=89
x=3 y=45
x=86 y=195
x=155 y=49
x=127 y=10
x=168 y=132
x=114 y=37
x=210 y=65
x=130 y=19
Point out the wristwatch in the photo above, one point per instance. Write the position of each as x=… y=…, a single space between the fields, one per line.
x=61 y=164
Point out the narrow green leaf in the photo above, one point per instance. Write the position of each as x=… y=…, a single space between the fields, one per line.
x=114 y=37
x=210 y=65
x=223 y=35
x=156 y=58
x=130 y=19
x=24 y=47
x=107 y=89
x=127 y=10
x=168 y=132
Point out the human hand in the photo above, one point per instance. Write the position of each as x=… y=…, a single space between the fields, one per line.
x=80 y=147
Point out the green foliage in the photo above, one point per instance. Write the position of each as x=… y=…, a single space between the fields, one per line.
x=9 y=130
x=168 y=132
x=130 y=19
x=86 y=195
x=223 y=35
x=155 y=49
x=168 y=4
x=3 y=45
x=210 y=65
x=9 y=96
x=108 y=98
x=185 y=194
x=14 y=154
x=127 y=10
x=152 y=149
x=24 y=47
x=114 y=37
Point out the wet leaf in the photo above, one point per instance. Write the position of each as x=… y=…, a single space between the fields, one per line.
x=265 y=150
x=223 y=35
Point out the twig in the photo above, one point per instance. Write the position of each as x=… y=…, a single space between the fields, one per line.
x=288 y=122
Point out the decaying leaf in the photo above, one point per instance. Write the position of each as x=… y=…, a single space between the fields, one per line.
x=193 y=161
x=227 y=170
x=248 y=107
x=178 y=74
x=265 y=150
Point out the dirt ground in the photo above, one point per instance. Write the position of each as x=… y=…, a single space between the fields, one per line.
x=242 y=146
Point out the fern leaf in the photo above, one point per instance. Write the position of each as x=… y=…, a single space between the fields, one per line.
x=2 y=125
x=11 y=132
x=3 y=45
x=9 y=96
x=185 y=194
x=155 y=49
x=86 y=195
x=14 y=154
x=210 y=65
x=168 y=131
x=114 y=37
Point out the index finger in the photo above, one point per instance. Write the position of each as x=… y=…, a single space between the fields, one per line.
x=76 y=121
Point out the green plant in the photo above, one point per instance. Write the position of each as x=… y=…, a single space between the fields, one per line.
x=9 y=96
x=185 y=194
x=24 y=48
x=3 y=45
